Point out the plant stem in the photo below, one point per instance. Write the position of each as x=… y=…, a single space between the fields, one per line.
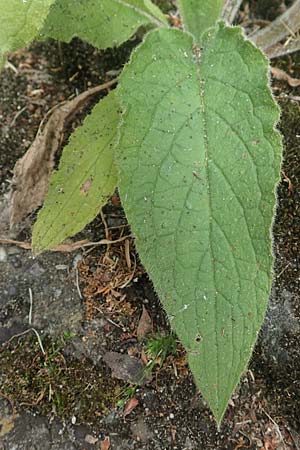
x=230 y=10
x=287 y=24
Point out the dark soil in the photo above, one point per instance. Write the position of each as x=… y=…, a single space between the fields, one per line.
x=67 y=399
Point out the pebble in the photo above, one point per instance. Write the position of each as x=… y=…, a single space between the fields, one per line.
x=91 y=439
x=3 y=254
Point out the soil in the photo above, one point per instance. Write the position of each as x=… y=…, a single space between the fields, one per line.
x=63 y=315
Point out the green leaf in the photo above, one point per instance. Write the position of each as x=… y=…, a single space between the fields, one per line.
x=85 y=179
x=199 y=15
x=20 y=22
x=102 y=23
x=197 y=179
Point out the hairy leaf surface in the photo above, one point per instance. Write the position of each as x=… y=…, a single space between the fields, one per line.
x=102 y=23
x=198 y=16
x=85 y=179
x=199 y=158
x=20 y=22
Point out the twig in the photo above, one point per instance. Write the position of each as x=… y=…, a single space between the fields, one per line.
x=230 y=10
x=77 y=282
x=127 y=253
x=283 y=270
x=30 y=309
x=105 y=225
x=65 y=248
x=290 y=46
x=9 y=65
x=25 y=332
x=280 y=29
x=114 y=323
x=288 y=181
x=130 y=277
x=12 y=123
x=276 y=427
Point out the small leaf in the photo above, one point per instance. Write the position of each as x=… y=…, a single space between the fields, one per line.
x=145 y=325
x=199 y=15
x=85 y=179
x=105 y=445
x=104 y=23
x=20 y=22
x=130 y=406
x=197 y=179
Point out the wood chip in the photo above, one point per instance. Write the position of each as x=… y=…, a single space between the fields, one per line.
x=33 y=170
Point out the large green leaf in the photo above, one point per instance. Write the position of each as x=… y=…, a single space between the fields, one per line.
x=199 y=158
x=102 y=23
x=85 y=179
x=20 y=21
x=199 y=15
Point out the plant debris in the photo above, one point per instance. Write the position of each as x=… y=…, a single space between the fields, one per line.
x=145 y=325
x=33 y=170
x=283 y=76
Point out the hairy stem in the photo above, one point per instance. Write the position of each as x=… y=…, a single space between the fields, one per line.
x=230 y=10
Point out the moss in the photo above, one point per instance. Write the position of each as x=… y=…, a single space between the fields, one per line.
x=54 y=384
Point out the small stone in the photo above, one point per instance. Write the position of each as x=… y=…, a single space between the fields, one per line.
x=73 y=420
x=141 y=431
x=61 y=267
x=125 y=367
x=3 y=254
x=91 y=439
x=171 y=416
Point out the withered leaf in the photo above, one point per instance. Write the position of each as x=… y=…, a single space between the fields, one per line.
x=33 y=170
x=145 y=325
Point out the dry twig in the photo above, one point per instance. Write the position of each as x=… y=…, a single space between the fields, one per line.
x=230 y=10
x=285 y=26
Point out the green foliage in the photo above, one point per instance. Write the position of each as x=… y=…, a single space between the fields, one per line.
x=20 y=22
x=104 y=23
x=85 y=180
x=160 y=346
x=198 y=16
x=197 y=184
x=198 y=159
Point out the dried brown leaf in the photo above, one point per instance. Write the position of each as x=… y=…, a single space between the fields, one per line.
x=145 y=325
x=33 y=170
x=130 y=406
x=105 y=445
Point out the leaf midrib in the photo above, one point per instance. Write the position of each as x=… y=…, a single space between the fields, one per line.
x=201 y=82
